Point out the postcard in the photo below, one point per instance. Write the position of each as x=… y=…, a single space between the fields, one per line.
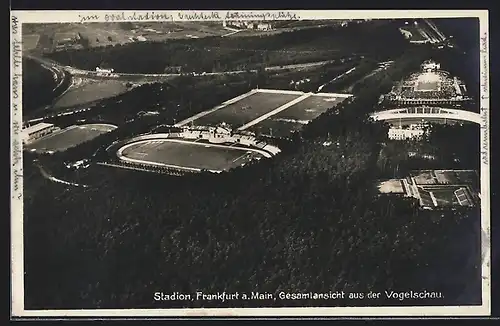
x=284 y=163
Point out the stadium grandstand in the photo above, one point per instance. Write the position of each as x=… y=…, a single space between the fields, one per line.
x=37 y=131
x=430 y=86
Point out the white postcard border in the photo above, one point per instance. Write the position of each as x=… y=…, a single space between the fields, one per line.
x=17 y=249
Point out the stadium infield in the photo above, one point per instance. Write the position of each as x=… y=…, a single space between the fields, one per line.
x=69 y=137
x=187 y=154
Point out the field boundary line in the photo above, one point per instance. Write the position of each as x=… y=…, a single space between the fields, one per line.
x=333 y=95
x=434 y=200
x=124 y=147
x=278 y=91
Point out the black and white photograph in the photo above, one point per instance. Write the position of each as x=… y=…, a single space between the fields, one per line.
x=216 y=163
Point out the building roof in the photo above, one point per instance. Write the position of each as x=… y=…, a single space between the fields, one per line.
x=37 y=127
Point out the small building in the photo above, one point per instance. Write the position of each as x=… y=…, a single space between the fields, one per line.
x=412 y=132
x=104 y=70
x=264 y=26
x=430 y=65
x=37 y=131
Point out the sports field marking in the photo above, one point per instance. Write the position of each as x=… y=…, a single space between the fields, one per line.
x=239 y=157
x=278 y=91
x=55 y=133
x=434 y=200
x=275 y=111
x=30 y=41
x=333 y=95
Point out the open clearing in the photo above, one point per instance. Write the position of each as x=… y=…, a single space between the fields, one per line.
x=246 y=109
x=187 y=154
x=90 y=91
x=30 y=42
x=425 y=178
x=390 y=186
x=69 y=137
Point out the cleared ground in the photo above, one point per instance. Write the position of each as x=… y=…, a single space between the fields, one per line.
x=246 y=110
x=468 y=177
x=90 y=91
x=69 y=137
x=30 y=42
x=296 y=116
x=188 y=154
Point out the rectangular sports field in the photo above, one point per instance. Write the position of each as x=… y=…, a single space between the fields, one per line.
x=467 y=177
x=247 y=109
x=296 y=116
x=416 y=36
x=311 y=107
x=446 y=197
x=69 y=137
x=189 y=154
x=425 y=197
x=426 y=86
x=424 y=178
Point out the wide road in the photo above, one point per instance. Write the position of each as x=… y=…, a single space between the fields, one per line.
x=158 y=77
x=451 y=114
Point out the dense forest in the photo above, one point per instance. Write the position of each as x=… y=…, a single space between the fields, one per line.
x=463 y=60
x=308 y=220
x=37 y=86
x=377 y=39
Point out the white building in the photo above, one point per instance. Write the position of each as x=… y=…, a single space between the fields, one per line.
x=37 y=131
x=430 y=66
x=104 y=71
x=412 y=132
x=264 y=27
